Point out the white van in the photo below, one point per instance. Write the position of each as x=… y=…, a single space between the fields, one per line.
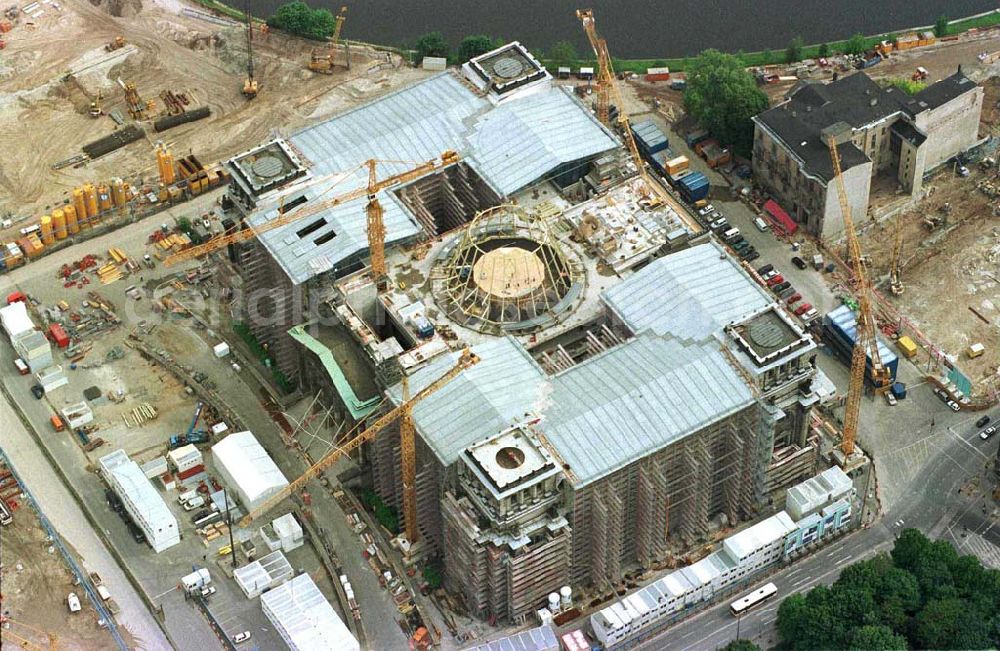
x=760 y=224
x=731 y=234
x=189 y=495
x=103 y=593
x=194 y=503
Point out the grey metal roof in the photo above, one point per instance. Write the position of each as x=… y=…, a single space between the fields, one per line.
x=542 y=638
x=638 y=398
x=691 y=294
x=600 y=415
x=511 y=145
x=481 y=401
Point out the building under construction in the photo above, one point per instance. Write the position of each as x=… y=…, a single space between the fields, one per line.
x=637 y=387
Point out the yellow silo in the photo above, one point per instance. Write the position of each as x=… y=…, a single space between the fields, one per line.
x=129 y=195
x=59 y=223
x=165 y=163
x=103 y=197
x=118 y=193
x=71 y=224
x=46 y=226
x=80 y=204
x=90 y=196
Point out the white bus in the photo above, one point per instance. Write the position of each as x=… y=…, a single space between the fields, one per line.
x=756 y=597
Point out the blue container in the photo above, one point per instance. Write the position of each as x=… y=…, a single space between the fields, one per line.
x=695 y=137
x=693 y=186
x=649 y=138
x=842 y=328
x=899 y=390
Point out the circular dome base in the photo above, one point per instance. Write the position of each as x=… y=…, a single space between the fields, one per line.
x=509 y=272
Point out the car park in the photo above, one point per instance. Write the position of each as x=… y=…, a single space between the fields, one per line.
x=802 y=309
x=780 y=287
x=988 y=432
x=768 y=275
x=752 y=256
x=946 y=399
x=983 y=422
x=793 y=299
x=775 y=279
x=706 y=210
x=799 y=262
x=747 y=252
x=785 y=293
x=765 y=269
x=740 y=244
x=719 y=224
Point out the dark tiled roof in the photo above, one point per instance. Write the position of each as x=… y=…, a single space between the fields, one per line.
x=937 y=94
x=908 y=132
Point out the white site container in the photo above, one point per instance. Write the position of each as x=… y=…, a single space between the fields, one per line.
x=221 y=350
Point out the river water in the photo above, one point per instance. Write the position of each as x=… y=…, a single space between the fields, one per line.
x=638 y=28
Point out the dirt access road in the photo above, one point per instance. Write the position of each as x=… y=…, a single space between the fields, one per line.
x=45 y=119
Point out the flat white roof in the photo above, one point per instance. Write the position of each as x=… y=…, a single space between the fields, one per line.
x=15 y=319
x=149 y=505
x=249 y=465
x=764 y=533
x=306 y=618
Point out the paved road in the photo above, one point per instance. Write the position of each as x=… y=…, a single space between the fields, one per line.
x=62 y=510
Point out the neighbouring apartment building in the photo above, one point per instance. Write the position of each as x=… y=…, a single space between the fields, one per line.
x=877 y=130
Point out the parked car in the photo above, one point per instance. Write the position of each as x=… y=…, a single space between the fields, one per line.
x=747 y=252
x=952 y=405
x=982 y=422
x=799 y=262
x=241 y=637
x=751 y=256
x=988 y=432
x=780 y=287
x=785 y=293
x=740 y=244
x=73 y=602
x=793 y=299
x=946 y=399
x=809 y=315
x=114 y=501
x=37 y=391
x=137 y=534
x=208 y=591
x=802 y=309
x=775 y=279
x=719 y=224
x=765 y=269
x=706 y=210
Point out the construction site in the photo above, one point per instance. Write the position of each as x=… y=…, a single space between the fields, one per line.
x=336 y=352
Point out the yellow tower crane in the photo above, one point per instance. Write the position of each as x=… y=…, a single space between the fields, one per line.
x=321 y=60
x=466 y=360
x=865 y=341
x=607 y=90
x=373 y=210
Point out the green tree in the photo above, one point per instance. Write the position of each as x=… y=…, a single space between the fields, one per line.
x=723 y=97
x=855 y=45
x=824 y=50
x=741 y=645
x=563 y=53
x=298 y=18
x=473 y=46
x=794 y=51
x=910 y=549
x=941 y=26
x=433 y=44
x=951 y=624
x=876 y=638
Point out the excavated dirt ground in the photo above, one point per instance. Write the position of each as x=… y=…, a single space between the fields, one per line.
x=35 y=585
x=951 y=270
x=45 y=119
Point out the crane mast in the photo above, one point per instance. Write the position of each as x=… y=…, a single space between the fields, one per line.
x=369 y=190
x=250 y=84
x=376 y=231
x=408 y=455
x=865 y=341
x=466 y=360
